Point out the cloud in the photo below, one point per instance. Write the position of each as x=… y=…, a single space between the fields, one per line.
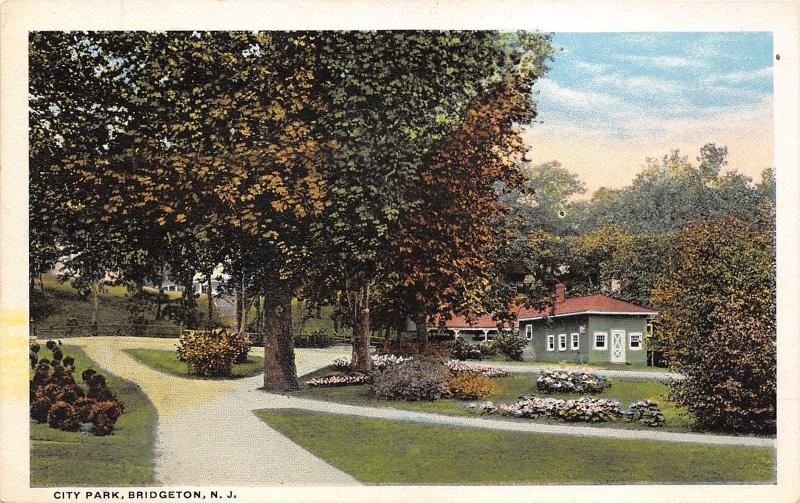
x=641 y=83
x=741 y=77
x=662 y=61
x=593 y=68
x=555 y=93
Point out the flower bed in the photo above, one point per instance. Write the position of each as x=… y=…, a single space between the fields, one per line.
x=58 y=400
x=458 y=367
x=586 y=409
x=567 y=381
x=339 y=380
x=379 y=362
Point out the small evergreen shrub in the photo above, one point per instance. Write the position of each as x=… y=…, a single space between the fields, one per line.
x=510 y=345
x=414 y=380
x=62 y=417
x=469 y=386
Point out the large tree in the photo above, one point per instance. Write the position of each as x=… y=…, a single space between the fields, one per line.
x=393 y=96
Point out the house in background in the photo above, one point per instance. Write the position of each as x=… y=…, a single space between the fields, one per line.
x=477 y=329
x=596 y=327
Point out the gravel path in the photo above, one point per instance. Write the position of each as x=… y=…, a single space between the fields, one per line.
x=207 y=433
x=523 y=368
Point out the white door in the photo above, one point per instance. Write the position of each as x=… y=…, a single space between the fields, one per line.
x=617 y=346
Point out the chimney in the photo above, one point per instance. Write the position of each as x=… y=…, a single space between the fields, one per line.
x=561 y=289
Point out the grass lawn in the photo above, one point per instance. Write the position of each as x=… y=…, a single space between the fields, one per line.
x=393 y=452
x=166 y=361
x=125 y=458
x=571 y=364
x=508 y=389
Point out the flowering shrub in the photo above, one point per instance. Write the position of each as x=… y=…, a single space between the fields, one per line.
x=646 y=412
x=211 y=353
x=485 y=370
x=339 y=380
x=486 y=407
x=567 y=381
x=469 y=386
x=56 y=399
x=412 y=380
x=379 y=362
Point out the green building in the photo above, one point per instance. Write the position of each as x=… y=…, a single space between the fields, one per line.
x=592 y=328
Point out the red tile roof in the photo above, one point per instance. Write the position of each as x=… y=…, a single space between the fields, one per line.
x=598 y=303
x=477 y=322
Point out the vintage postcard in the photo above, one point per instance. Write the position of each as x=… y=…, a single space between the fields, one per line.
x=346 y=251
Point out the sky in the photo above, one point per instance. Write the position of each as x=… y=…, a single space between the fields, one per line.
x=611 y=100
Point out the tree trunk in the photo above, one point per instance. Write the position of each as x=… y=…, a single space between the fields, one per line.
x=422 y=332
x=210 y=302
x=95 y=286
x=244 y=309
x=280 y=371
x=361 y=361
x=237 y=306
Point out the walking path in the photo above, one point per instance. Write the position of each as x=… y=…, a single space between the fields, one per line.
x=526 y=367
x=205 y=434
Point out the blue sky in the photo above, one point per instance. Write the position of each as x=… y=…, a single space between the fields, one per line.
x=613 y=99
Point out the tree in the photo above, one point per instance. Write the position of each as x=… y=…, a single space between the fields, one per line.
x=393 y=95
x=732 y=384
x=712 y=263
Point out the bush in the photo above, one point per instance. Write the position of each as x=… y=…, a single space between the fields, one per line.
x=567 y=381
x=487 y=349
x=103 y=415
x=469 y=386
x=647 y=413
x=210 y=353
x=463 y=350
x=339 y=380
x=62 y=417
x=510 y=345
x=457 y=367
x=732 y=386
x=379 y=362
x=414 y=380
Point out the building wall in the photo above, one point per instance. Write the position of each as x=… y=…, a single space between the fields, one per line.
x=537 y=348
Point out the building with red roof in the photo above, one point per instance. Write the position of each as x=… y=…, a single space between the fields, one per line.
x=591 y=328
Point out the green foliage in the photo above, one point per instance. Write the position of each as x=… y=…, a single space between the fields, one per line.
x=412 y=381
x=211 y=353
x=463 y=350
x=510 y=345
x=733 y=382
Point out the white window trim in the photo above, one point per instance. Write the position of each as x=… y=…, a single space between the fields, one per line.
x=630 y=337
x=604 y=347
x=551 y=343
x=528 y=332
x=575 y=340
x=562 y=338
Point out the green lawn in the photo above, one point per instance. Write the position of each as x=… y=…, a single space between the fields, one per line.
x=606 y=366
x=167 y=361
x=393 y=452
x=124 y=458
x=508 y=389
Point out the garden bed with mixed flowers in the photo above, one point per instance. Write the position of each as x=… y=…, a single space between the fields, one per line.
x=586 y=409
x=568 y=381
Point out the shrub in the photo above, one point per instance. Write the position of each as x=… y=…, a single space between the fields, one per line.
x=732 y=386
x=210 y=353
x=510 y=345
x=469 y=386
x=463 y=350
x=83 y=408
x=242 y=347
x=592 y=410
x=567 y=381
x=413 y=380
x=39 y=409
x=104 y=415
x=487 y=348
x=379 y=362
x=647 y=413
x=62 y=417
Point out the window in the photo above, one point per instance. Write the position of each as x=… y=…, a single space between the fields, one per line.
x=528 y=332
x=635 y=341
x=600 y=340
x=574 y=341
x=551 y=342
x=562 y=342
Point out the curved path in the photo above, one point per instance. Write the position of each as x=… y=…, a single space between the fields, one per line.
x=206 y=434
